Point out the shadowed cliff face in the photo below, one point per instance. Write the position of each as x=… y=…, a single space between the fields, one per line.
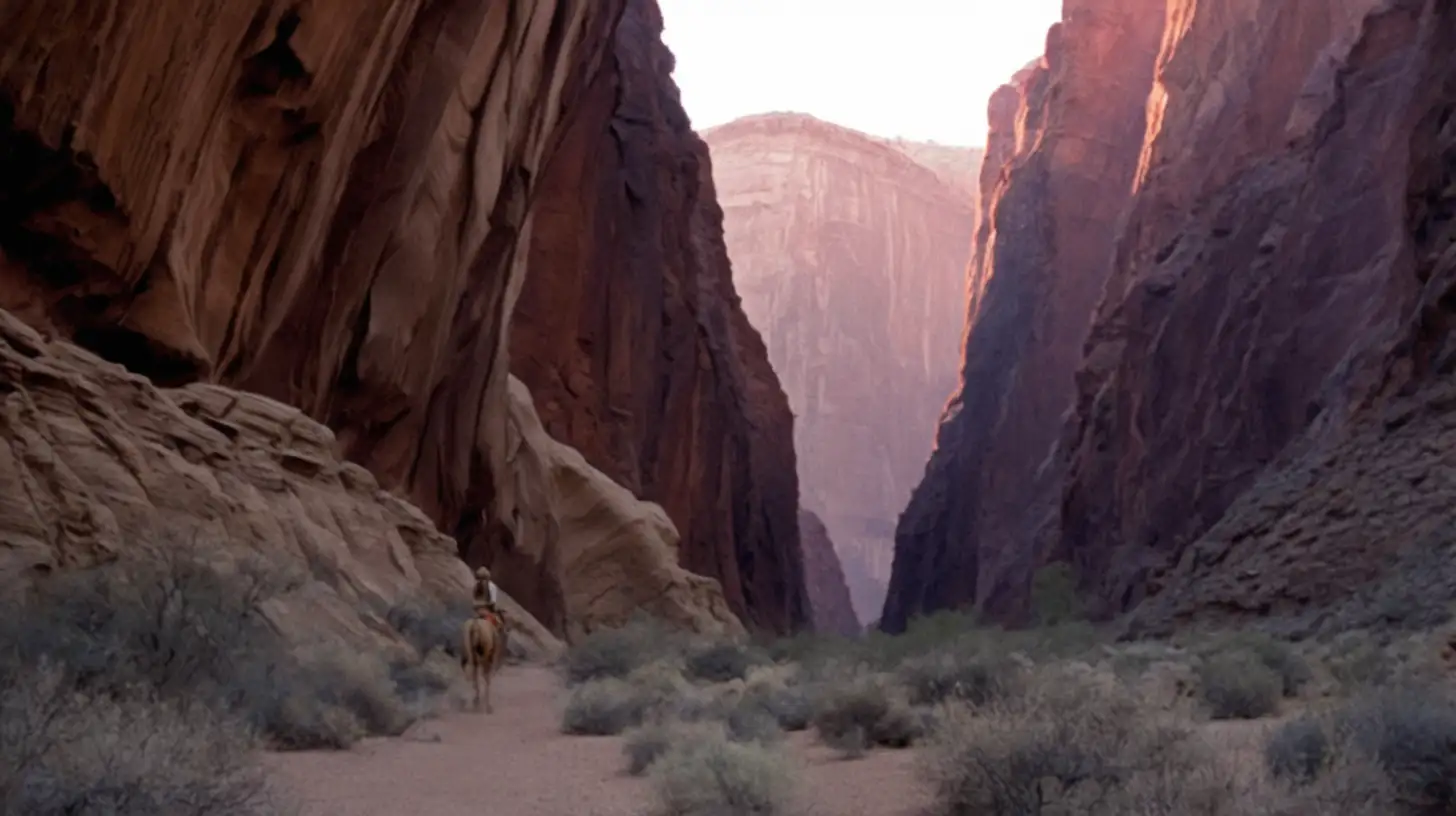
x=1258 y=413
x=833 y=611
x=1061 y=155
x=329 y=203
x=850 y=258
x=629 y=333
x=1267 y=243
x=1352 y=525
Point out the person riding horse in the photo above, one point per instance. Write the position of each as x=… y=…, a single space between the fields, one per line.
x=486 y=598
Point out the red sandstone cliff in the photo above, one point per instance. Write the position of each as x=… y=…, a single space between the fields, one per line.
x=330 y=204
x=630 y=334
x=833 y=611
x=1061 y=154
x=849 y=256
x=1302 y=471
x=1260 y=408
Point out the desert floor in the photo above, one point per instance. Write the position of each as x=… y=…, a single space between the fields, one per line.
x=515 y=762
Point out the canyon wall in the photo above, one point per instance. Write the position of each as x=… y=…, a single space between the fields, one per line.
x=1261 y=385
x=1328 y=229
x=829 y=600
x=1062 y=152
x=629 y=332
x=329 y=204
x=850 y=256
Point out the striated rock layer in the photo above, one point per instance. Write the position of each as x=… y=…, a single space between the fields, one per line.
x=630 y=334
x=1064 y=135
x=327 y=203
x=849 y=255
x=829 y=600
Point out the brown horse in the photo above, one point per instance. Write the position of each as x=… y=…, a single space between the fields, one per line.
x=483 y=641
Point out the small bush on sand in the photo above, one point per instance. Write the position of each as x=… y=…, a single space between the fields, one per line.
x=721 y=662
x=1298 y=750
x=605 y=707
x=1276 y=655
x=644 y=745
x=1074 y=743
x=620 y=651
x=1411 y=734
x=790 y=705
x=861 y=712
x=1236 y=686
x=713 y=776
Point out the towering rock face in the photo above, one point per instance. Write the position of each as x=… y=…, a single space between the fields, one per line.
x=1258 y=418
x=330 y=204
x=630 y=334
x=1301 y=250
x=1061 y=155
x=833 y=611
x=850 y=257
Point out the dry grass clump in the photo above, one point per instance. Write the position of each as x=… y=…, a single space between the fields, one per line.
x=715 y=776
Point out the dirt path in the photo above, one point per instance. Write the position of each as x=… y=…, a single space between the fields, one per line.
x=515 y=763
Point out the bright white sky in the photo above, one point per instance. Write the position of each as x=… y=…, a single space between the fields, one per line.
x=920 y=69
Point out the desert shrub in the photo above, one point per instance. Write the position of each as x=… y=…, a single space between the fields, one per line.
x=66 y=751
x=617 y=652
x=422 y=683
x=1054 y=595
x=973 y=677
x=1298 y=750
x=1236 y=686
x=429 y=624
x=1075 y=742
x=177 y=624
x=1411 y=734
x=861 y=712
x=721 y=662
x=790 y=706
x=644 y=745
x=1276 y=655
x=604 y=707
x=749 y=721
x=713 y=776
x=1357 y=662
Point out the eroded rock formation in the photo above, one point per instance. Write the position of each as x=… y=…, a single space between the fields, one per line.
x=96 y=462
x=630 y=334
x=829 y=600
x=329 y=204
x=1061 y=154
x=850 y=258
x=1259 y=410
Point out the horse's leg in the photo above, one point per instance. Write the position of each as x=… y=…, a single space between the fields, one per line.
x=475 y=681
x=487 y=669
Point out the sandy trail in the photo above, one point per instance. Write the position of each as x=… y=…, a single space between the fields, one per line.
x=515 y=763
